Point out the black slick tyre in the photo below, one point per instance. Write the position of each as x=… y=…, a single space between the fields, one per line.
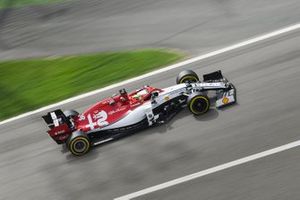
x=78 y=143
x=198 y=104
x=187 y=76
x=70 y=113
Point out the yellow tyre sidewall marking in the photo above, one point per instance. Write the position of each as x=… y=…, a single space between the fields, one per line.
x=194 y=99
x=85 y=140
x=187 y=77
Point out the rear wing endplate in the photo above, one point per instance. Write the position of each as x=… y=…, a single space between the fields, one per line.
x=55 y=118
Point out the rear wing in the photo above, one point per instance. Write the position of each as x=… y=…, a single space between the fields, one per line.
x=55 y=118
x=59 y=125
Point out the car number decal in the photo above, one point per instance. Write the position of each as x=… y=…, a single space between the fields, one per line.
x=98 y=119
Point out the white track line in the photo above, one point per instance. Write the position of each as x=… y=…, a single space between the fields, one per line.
x=186 y=62
x=210 y=171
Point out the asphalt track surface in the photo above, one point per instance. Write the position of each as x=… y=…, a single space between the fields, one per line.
x=81 y=26
x=267 y=76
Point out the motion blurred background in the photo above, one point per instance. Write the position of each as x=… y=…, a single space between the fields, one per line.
x=81 y=26
x=54 y=28
x=52 y=50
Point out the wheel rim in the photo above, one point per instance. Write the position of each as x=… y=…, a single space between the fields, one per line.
x=188 y=79
x=79 y=146
x=199 y=105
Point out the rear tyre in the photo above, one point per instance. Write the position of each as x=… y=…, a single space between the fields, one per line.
x=198 y=104
x=187 y=76
x=78 y=143
x=71 y=113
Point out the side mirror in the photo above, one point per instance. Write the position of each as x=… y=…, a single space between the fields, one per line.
x=154 y=94
x=153 y=97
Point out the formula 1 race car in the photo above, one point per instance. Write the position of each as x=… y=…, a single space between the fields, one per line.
x=128 y=112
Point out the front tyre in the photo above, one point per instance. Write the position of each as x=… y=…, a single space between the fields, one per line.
x=78 y=143
x=198 y=104
x=187 y=76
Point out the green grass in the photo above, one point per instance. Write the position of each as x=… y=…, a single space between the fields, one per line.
x=29 y=84
x=20 y=3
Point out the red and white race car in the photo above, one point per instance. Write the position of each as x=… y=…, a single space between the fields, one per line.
x=128 y=112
